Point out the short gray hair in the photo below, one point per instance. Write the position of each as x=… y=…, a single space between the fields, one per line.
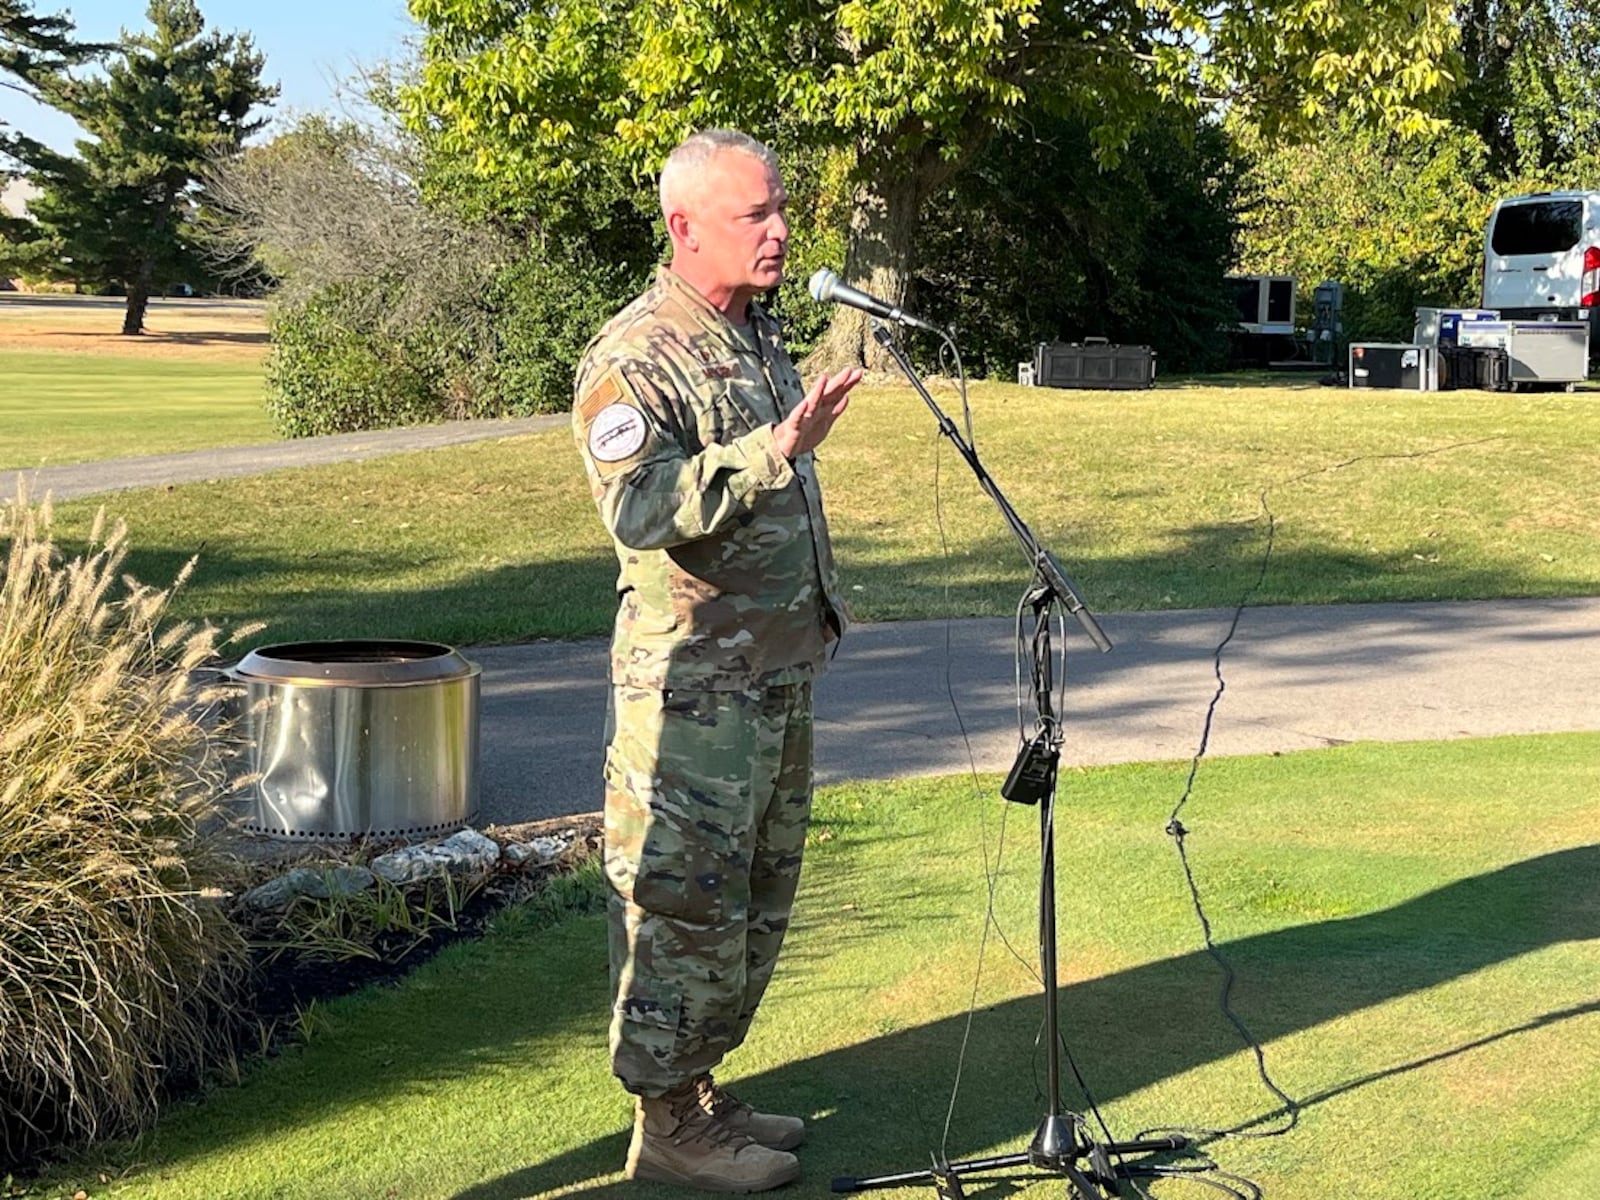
x=697 y=150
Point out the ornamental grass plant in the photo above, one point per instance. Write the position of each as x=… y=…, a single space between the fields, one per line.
x=117 y=961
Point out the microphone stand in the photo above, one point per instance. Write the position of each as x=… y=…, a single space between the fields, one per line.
x=1062 y=1144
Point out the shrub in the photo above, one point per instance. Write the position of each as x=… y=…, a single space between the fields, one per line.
x=342 y=360
x=332 y=372
x=115 y=957
x=547 y=307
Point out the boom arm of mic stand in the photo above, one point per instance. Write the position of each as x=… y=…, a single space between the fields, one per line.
x=1044 y=564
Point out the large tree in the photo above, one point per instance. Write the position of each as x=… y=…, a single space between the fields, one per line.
x=1532 y=87
x=542 y=94
x=171 y=101
x=33 y=46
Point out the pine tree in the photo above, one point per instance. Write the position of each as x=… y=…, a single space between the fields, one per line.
x=32 y=46
x=33 y=49
x=170 y=102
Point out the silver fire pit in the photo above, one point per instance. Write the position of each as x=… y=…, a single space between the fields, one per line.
x=360 y=737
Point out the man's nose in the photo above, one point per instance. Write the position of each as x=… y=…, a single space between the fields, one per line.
x=778 y=228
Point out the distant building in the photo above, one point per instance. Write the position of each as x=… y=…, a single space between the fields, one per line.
x=14 y=197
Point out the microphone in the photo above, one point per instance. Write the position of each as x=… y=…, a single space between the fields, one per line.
x=826 y=286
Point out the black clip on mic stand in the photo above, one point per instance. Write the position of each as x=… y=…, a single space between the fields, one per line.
x=1062 y=1144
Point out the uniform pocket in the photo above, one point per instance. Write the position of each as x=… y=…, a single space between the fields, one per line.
x=663 y=853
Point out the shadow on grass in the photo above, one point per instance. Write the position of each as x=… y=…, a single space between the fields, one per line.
x=1136 y=1027
x=543 y=707
x=212 y=337
x=1203 y=566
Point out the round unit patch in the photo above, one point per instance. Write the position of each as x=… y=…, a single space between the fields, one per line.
x=616 y=433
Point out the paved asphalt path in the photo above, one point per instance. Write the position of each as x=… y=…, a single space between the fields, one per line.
x=1295 y=677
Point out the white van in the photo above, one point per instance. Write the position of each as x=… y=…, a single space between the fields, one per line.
x=1541 y=257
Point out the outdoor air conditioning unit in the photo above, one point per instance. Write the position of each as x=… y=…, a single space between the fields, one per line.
x=1265 y=303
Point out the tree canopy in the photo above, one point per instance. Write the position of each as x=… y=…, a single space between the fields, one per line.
x=34 y=46
x=1401 y=221
x=539 y=96
x=170 y=101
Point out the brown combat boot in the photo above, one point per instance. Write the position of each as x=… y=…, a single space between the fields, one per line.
x=675 y=1140
x=767 y=1129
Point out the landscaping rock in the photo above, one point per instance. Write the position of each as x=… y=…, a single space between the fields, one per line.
x=467 y=852
x=472 y=849
x=540 y=852
x=305 y=881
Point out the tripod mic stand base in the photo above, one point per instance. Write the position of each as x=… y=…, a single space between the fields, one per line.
x=1060 y=1148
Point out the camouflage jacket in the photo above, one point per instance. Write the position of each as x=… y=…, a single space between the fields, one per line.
x=727 y=577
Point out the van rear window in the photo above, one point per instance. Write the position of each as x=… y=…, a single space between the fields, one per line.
x=1544 y=227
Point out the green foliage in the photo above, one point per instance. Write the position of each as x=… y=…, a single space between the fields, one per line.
x=33 y=47
x=116 y=959
x=1398 y=222
x=1401 y=221
x=338 y=364
x=385 y=922
x=540 y=93
x=546 y=307
x=1532 y=88
x=1031 y=246
x=328 y=375
x=173 y=99
x=542 y=97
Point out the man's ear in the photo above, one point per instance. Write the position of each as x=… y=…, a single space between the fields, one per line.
x=678 y=226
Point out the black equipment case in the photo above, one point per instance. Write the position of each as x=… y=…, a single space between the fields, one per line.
x=1093 y=363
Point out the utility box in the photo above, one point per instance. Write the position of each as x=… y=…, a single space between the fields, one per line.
x=1393 y=365
x=1092 y=363
x=1265 y=302
x=1549 y=352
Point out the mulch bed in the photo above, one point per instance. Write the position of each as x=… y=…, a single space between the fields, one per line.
x=286 y=984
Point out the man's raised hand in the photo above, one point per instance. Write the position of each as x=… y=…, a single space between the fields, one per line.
x=812 y=419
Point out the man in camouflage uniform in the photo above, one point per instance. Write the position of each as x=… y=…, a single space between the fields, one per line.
x=697 y=436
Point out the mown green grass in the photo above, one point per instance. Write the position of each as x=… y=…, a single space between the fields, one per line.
x=69 y=408
x=1415 y=930
x=1156 y=499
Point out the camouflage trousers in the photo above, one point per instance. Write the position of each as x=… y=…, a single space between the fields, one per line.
x=707 y=799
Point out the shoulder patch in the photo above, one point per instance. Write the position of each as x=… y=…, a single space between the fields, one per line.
x=616 y=432
x=602 y=394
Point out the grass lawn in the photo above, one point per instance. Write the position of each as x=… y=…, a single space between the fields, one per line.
x=1415 y=929
x=1150 y=499
x=58 y=408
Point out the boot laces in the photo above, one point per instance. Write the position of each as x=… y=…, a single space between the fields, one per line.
x=718 y=1101
x=695 y=1122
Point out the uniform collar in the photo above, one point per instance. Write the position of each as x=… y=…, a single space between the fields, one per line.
x=709 y=317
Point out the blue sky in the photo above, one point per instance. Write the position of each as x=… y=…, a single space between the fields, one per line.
x=309 y=46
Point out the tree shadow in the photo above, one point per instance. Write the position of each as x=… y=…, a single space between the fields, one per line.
x=212 y=337
x=543 y=707
x=1139 y=1026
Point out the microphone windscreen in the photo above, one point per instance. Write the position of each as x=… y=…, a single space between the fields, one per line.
x=821 y=286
